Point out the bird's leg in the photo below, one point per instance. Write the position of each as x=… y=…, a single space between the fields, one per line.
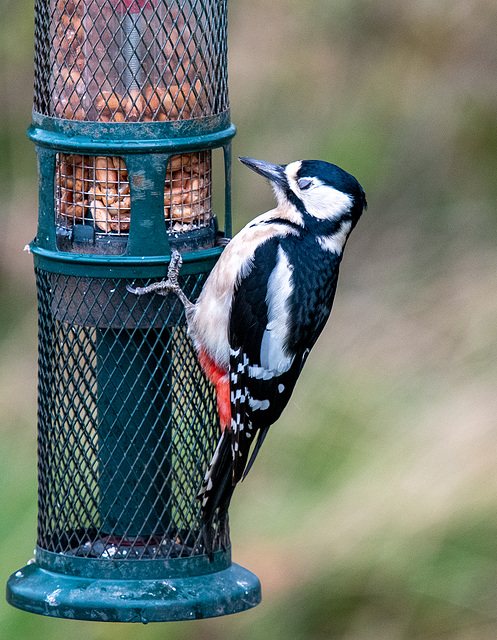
x=170 y=285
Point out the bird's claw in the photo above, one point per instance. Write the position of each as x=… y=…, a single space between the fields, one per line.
x=174 y=267
x=163 y=287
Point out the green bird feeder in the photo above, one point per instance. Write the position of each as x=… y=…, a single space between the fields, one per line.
x=130 y=106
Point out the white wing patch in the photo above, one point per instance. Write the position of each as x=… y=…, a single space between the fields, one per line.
x=274 y=359
x=258 y=404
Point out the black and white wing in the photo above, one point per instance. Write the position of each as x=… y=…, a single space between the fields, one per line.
x=265 y=361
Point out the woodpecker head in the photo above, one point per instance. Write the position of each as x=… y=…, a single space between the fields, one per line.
x=314 y=188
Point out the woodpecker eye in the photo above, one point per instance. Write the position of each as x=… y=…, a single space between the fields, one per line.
x=304 y=183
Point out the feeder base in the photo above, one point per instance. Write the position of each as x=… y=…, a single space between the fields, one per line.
x=58 y=595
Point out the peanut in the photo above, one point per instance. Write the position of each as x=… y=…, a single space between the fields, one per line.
x=194 y=191
x=179 y=162
x=110 y=198
x=168 y=108
x=78 y=174
x=107 y=101
x=185 y=212
x=121 y=225
x=194 y=96
x=177 y=176
x=199 y=168
x=134 y=105
x=154 y=100
x=173 y=197
x=75 y=210
x=65 y=168
x=177 y=212
x=124 y=186
x=103 y=172
x=65 y=199
x=99 y=213
x=118 y=163
x=178 y=99
x=95 y=193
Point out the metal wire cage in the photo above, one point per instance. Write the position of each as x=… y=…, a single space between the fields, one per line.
x=130 y=103
x=129 y=61
x=122 y=404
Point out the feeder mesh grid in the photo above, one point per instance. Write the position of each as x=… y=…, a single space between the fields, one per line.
x=121 y=61
x=127 y=421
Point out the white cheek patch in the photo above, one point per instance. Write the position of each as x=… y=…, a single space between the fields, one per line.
x=321 y=201
x=325 y=202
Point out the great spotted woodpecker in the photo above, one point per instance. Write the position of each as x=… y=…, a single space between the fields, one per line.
x=262 y=309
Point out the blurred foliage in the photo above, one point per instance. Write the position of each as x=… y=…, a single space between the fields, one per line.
x=371 y=510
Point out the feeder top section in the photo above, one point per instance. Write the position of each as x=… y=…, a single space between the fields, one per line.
x=130 y=60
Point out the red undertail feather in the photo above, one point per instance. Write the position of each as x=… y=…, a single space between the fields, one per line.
x=220 y=379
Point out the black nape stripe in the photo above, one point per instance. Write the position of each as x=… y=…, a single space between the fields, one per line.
x=284 y=221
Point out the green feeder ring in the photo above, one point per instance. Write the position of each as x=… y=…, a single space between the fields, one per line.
x=224 y=591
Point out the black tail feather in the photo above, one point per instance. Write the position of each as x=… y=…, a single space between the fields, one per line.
x=216 y=491
x=219 y=483
x=260 y=439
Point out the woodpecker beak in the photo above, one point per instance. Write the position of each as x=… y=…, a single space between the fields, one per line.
x=273 y=172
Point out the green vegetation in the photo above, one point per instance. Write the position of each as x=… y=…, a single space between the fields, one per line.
x=371 y=510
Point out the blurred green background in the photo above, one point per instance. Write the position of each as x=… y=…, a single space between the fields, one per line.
x=372 y=509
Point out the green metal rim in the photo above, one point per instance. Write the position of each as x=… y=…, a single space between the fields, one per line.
x=52 y=594
x=104 y=138
x=100 y=266
x=108 y=569
x=174 y=128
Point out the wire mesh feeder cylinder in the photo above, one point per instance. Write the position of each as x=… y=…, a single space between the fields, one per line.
x=130 y=105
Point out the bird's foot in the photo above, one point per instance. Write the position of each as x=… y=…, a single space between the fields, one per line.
x=163 y=287
x=174 y=268
x=171 y=285
x=222 y=241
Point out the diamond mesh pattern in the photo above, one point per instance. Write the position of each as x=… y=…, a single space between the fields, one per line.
x=127 y=421
x=130 y=60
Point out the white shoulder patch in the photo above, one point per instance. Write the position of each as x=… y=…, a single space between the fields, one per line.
x=274 y=359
